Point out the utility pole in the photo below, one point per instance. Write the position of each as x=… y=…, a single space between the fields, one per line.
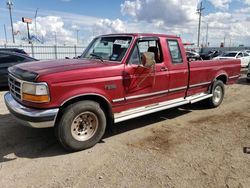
x=77 y=38
x=9 y=5
x=35 y=21
x=55 y=38
x=6 y=41
x=28 y=29
x=199 y=11
x=207 y=36
x=224 y=40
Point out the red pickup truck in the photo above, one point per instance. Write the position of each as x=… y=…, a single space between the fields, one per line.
x=118 y=77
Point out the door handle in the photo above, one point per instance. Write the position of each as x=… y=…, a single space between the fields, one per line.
x=164 y=69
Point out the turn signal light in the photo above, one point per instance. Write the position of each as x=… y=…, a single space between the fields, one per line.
x=36 y=98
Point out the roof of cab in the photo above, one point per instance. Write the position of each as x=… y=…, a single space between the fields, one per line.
x=142 y=35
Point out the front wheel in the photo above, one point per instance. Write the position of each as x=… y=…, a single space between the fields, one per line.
x=81 y=126
x=218 y=91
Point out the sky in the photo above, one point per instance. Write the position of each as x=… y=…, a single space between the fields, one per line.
x=59 y=21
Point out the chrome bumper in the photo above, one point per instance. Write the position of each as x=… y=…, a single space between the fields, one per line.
x=30 y=117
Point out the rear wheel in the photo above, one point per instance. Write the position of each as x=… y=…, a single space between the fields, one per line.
x=81 y=126
x=218 y=91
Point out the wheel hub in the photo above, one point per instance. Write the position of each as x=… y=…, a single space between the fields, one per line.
x=217 y=94
x=84 y=126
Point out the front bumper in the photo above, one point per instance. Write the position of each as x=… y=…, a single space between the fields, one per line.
x=30 y=117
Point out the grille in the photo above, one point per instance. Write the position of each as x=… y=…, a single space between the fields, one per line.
x=15 y=87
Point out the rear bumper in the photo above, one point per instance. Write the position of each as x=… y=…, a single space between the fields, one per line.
x=30 y=117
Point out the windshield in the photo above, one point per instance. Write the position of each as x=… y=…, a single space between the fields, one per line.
x=231 y=54
x=111 y=48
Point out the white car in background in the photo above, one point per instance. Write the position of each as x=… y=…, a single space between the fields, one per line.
x=243 y=56
x=247 y=51
x=248 y=74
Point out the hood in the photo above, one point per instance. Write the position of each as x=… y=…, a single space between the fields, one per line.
x=53 y=66
x=31 y=70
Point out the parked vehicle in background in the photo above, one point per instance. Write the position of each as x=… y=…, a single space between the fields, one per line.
x=210 y=54
x=193 y=56
x=117 y=78
x=242 y=56
x=248 y=74
x=17 y=50
x=8 y=59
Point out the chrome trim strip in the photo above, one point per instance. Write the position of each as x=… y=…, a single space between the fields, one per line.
x=146 y=95
x=201 y=98
x=137 y=112
x=200 y=84
x=31 y=117
x=149 y=94
x=236 y=76
x=118 y=100
x=178 y=89
x=144 y=110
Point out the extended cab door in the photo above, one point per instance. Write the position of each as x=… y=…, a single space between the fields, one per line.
x=177 y=68
x=145 y=85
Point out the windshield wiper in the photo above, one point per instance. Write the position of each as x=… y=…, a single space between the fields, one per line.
x=97 y=56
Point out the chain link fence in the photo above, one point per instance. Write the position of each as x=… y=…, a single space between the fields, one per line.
x=47 y=52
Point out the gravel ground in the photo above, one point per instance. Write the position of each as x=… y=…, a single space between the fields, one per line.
x=183 y=147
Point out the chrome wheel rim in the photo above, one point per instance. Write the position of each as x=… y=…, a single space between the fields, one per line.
x=84 y=126
x=217 y=94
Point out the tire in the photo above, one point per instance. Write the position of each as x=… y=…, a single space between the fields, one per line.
x=81 y=125
x=218 y=91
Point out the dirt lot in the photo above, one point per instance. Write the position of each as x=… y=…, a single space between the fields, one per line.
x=185 y=147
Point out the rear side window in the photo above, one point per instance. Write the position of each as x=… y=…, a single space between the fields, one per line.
x=9 y=58
x=174 y=51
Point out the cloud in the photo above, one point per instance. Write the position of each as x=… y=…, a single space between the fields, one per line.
x=247 y=2
x=221 y=4
x=104 y=26
x=180 y=18
x=170 y=12
x=131 y=7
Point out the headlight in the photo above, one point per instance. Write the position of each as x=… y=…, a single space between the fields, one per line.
x=35 y=92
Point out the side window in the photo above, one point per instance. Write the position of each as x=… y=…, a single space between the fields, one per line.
x=146 y=45
x=18 y=59
x=151 y=45
x=6 y=58
x=175 y=52
x=246 y=54
x=135 y=57
x=239 y=55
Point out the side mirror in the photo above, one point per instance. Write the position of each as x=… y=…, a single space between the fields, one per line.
x=148 y=59
x=67 y=58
